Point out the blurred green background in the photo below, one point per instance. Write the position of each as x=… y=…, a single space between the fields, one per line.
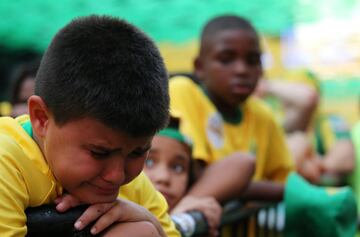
x=27 y=27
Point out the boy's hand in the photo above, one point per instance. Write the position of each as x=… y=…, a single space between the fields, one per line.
x=65 y=202
x=206 y=205
x=120 y=210
x=106 y=214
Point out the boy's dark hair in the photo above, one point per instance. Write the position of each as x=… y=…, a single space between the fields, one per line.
x=225 y=22
x=19 y=75
x=105 y=68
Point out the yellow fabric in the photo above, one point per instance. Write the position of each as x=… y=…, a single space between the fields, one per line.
x=27 y=181
x=213 y=138
x=5 y=108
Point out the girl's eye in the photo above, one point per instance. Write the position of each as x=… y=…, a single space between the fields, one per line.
x=149 y=163
x=178 y=168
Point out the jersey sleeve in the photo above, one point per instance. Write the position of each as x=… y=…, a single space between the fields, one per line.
x=279 y=162
x=13 y=193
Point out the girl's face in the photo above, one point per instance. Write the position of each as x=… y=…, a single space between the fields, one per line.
x=26 y=89
x=168 y=167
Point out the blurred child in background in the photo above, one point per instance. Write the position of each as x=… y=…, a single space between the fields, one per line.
x=320 y=143
x=171 y=169
x=23 y=84
x=222 y=117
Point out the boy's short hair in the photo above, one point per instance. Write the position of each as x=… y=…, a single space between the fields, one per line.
x=105 y=68
x=225 y=22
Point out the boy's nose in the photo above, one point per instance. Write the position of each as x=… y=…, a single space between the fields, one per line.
x=240 y=67
x=114 y=171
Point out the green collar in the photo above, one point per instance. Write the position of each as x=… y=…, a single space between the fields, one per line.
x=28 y=129
x=232 y=120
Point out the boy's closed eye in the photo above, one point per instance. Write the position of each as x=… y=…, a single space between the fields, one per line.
x=99 y=154
x=103 y=153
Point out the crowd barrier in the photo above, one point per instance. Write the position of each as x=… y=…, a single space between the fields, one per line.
x=251 y=219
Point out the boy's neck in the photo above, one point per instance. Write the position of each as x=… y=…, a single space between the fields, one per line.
x=39 y=143
x=230 y=113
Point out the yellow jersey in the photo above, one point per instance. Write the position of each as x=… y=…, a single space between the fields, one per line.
x=214 y=138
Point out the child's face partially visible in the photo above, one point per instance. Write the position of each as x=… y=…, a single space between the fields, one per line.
x=91 y=160
x=26 y=89
x=230 y=66
x=168 y=167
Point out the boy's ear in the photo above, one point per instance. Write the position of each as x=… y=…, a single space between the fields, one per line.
x=198 y=66
x=39 y=115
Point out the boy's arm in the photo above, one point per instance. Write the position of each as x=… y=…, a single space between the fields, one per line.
x=264 y=191
x=340 y=159
x=299 y=99
x=214 y=183
x=225 y=179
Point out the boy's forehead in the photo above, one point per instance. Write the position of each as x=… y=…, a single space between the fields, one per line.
x=93 y=131
x=224 y=36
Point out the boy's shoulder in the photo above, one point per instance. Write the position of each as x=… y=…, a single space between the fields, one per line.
x=22 y=164
x=183 y=81
x=259 y=108
x=15 y=135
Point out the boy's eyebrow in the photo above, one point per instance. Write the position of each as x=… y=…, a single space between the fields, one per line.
x=102 y=148
x=115 y=150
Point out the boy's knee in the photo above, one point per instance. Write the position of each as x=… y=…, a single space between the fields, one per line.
x=138 y=229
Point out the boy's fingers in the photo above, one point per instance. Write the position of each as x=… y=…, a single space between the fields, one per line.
x=105 y=221
x=66 y=202
x=91 y=214
x=58 y=200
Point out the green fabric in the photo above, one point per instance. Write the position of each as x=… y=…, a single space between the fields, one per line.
x=318 y=211
x=26 y=23
x=354 y=179
x=175 y=134
x=27 y=127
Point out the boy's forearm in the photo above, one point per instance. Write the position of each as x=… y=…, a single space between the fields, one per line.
x=340 y=159
x=264 y=191
x=298 y=112
x=226 y=179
